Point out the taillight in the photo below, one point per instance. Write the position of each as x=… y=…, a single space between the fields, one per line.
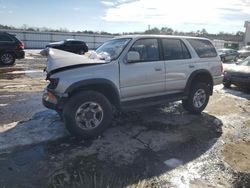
x=21 y=45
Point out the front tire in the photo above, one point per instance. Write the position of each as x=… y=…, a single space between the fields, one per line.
x=87 y=114
x=7 y=58
x=197 y=99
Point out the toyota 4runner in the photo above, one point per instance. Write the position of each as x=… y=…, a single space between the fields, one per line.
x=129 y=72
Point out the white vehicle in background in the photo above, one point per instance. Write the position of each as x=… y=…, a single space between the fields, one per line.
x=129 y=72
x=244 y=52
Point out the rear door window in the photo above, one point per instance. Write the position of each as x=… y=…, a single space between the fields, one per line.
x=203 y=48
x=174 y=49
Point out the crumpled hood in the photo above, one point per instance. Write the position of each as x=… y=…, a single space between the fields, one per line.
x=61 y=59
x=236 y=68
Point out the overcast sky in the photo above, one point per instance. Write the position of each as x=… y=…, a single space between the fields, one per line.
x=127 y=15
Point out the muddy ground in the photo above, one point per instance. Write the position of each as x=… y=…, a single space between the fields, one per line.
x=153 y=147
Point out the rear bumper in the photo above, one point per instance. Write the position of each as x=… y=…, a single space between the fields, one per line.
x=20 y=54
x=218 y=79
x=239 y=81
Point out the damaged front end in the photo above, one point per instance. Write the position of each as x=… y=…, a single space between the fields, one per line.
x=58 y=61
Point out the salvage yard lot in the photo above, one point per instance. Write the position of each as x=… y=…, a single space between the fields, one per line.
x=154 y=147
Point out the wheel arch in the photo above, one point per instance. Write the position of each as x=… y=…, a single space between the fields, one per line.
x=200 y=76
x=8 y=51
x=104 y=86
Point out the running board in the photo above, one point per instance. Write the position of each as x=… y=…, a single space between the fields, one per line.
x=152 y=101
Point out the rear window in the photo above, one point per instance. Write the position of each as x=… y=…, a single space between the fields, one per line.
x=203 y=48
x=5 y=38
x=76 y=42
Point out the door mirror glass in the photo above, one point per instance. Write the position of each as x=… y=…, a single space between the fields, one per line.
x=133 y=56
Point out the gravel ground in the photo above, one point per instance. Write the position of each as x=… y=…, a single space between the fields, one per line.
x=153 y=147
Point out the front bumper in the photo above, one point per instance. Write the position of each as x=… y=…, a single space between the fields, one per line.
x=50 y=100
x=237 y=80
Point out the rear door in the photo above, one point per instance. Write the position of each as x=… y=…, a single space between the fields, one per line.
x=77 y=46
x=177 y=62
x=208 y=58
x=6 y=42
x=145 y=77
x=68 y=46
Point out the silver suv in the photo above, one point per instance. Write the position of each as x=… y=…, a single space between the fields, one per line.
x=130 y=72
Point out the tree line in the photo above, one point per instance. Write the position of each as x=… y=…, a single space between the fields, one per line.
x=238 y=36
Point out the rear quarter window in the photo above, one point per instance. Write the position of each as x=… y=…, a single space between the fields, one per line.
x=76 y=42
x=204 y=48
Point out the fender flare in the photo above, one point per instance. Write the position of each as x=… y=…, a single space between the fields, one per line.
x=192 y=77
x=96 y=81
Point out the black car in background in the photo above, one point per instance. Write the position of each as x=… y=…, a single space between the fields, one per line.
x=238 y=75
x=70 y=45
x=227 y=55
x=10 y=49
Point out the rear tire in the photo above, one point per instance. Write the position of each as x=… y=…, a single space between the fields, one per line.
x=81 y=52
x=197 y=99
x=7 y=58
x=87 y=114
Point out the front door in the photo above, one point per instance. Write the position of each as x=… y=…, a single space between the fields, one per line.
x=145 y=77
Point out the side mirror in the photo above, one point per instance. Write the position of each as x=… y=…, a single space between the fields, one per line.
x=133 y=56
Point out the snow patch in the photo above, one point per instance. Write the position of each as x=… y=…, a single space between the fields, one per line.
x=173 y=163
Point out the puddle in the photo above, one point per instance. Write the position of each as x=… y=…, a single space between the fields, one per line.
x=7 y=96
x=5 y=73
x=26 y=72
x=4 y=70
x=16 y=86
x=29 y=73
x=15 y=72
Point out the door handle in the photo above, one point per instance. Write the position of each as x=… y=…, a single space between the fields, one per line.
x=191 y=66
x=158 y=69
